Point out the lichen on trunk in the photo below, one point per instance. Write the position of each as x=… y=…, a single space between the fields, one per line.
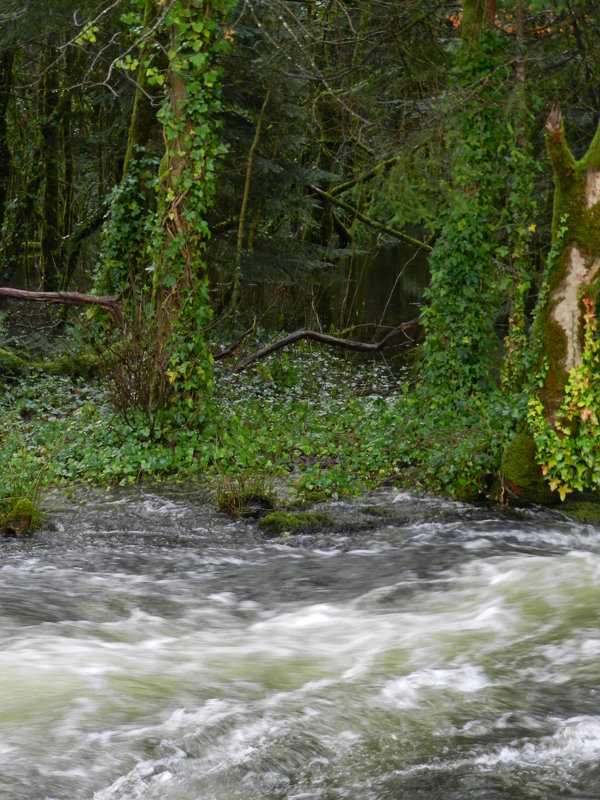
x=576 y=268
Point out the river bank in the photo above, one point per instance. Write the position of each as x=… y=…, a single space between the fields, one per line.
x=297 y=429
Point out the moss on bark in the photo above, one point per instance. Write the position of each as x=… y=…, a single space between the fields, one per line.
x=522 y=475
x=574 y=273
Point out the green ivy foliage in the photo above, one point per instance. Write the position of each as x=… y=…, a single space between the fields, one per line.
x=124 y=255
x=157 y=230
x=461 y=347
x=569 y=450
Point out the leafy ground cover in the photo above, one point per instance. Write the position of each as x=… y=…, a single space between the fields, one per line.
x=317 y=424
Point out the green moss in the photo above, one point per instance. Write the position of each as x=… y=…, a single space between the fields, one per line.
x=11 y=364
x=522 y=475
x=279 y=522
x=374 y=511
x=70 y=364
x=66 y=364
x=586 y=511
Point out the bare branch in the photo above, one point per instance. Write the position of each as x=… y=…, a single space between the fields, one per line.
x=373 y=223
x=324 y=338
x=109 y=303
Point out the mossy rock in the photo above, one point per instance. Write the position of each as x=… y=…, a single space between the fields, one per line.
x=278 y=522
x=583 y=510
x=70 y=364
x=11 y=364
x=522 y=474
x=374 y=511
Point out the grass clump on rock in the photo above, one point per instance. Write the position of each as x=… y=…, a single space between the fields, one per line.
x=279 y=522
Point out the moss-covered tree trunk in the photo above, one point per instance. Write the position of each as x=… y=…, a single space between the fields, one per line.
x=6 y=64
x=573 y=276
x=478 y=16
x=50 y=237
x=575 y=273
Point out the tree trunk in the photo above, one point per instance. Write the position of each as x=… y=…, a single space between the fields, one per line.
x=577 y=267
x=478 y=16
x=50 y=139
x=6 y=64
x=143 y=127
x=574 y=274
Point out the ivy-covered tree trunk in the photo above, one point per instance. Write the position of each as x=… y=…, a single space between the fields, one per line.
x=460 y=350
x=180 y=299
x=143 y=118
x=576 y=267
x=567 y=301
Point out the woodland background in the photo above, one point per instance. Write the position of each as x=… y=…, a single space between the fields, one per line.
x=208 y=168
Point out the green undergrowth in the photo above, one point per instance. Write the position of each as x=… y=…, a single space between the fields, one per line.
x=318 y=424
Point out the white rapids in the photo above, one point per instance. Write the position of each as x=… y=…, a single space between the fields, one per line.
x=153 y=650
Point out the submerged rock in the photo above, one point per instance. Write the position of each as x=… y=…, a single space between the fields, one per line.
x=279 y=522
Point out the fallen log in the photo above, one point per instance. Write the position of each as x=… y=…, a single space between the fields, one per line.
x=109 y=303
x=325 y=338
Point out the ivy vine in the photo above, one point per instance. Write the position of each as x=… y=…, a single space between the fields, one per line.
x=569 y=450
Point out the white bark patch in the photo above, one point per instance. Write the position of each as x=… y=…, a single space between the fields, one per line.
x=592 y=188
x=565 y=300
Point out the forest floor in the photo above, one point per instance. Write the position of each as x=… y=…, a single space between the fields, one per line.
x=299 y=426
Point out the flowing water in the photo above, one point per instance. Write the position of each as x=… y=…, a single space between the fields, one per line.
x=153 y=649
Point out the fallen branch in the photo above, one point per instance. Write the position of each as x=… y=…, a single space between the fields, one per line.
x=109 y=303
x=325 y=338
x=232 y=348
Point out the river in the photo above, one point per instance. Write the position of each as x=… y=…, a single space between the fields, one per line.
x=153 y=649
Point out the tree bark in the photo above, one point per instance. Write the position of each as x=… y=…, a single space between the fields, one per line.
x=576 y=269
x=574 y=275
x=50 y=139
x=6 y=64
